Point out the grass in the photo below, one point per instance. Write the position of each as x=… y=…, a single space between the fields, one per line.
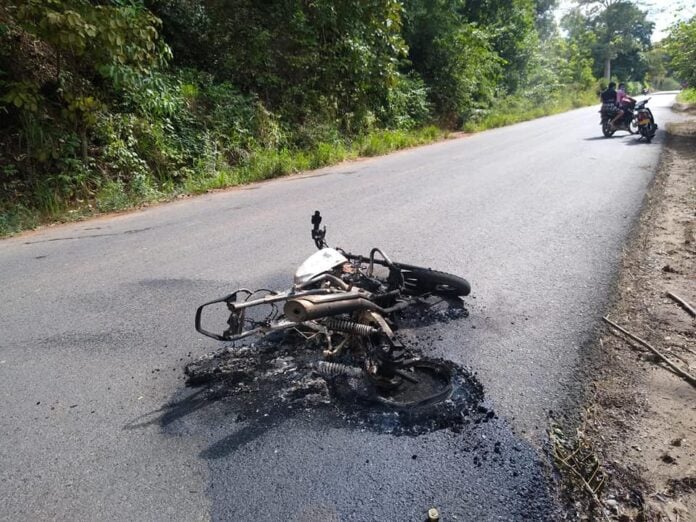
x=385 y=141
x=515 y=109
x=265 y=164
x=16 y=219
x=687 y=95
x=260 y=164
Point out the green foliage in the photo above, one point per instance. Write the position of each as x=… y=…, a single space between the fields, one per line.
x=621 y=33
x=407 y=104
x=544 y=18
x=681 y=47
x=16 y=219
x=389 y=140
x=517 y=108
x=687 y=96
x=657 y=63
x=668 y=84
x=455 y=58
x=511 y=26
x=118 y=41
x=576 y=50
x=335 y=58
x=22 y=95
x=111 y=103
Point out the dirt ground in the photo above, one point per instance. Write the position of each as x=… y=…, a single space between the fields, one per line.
x=641 y=421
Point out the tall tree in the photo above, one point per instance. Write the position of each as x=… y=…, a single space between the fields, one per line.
x=513 y=34
x=455 y=58
x=622 y=32
x=545 y=20
x=299 y=57
x=577 y=49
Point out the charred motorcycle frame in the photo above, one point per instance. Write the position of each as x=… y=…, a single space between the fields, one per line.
x=346 y=304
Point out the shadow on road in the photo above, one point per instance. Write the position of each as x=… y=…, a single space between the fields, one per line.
x=603 y=138
x=171 y=412
x=638 y=141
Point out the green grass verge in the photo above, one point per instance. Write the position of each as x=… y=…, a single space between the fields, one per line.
x=515 y=109
x=264 y=164
x=260 y=165
x=687 y=96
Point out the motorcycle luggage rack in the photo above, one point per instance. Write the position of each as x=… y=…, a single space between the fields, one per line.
x=236 y=320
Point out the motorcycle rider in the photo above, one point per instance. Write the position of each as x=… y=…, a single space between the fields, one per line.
x=609 y=99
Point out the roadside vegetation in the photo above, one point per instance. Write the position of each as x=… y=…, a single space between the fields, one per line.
x=110 y=104
x=687 y=96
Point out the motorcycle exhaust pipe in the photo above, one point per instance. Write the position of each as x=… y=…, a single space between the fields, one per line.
x=303 y=309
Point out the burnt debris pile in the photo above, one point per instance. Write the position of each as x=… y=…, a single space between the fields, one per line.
x=285 y=372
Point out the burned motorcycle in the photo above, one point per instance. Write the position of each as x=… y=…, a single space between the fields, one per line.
x=645 y=121
x=346 y=306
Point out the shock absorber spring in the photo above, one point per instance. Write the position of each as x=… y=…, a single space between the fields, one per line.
x=345 y=326
x=331 y=369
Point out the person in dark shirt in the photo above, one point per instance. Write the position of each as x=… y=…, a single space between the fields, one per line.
x=609 y=102
x=609 y=95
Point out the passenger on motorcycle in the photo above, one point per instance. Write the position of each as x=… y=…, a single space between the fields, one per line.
x=621 y=96
x=622 y=100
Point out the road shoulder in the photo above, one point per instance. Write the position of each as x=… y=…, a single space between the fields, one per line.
x=638 y=436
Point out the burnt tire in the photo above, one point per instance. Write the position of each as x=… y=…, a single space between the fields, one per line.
x=433 y=385
x=426 y=281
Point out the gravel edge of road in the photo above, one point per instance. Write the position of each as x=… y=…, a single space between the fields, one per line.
x=628 y=455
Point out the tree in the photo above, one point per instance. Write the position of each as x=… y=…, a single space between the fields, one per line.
x=335 y=58
x=622 y=31
x=88 y=44
x=455 y=58
x=657 y=63
x=513 y=35
x=544 y=18
x=681 y=47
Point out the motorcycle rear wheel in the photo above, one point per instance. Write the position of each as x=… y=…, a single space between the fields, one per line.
x=607 y=129
x=645 y=133
x=434 y=385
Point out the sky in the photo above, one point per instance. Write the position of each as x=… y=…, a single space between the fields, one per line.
x=663 y=12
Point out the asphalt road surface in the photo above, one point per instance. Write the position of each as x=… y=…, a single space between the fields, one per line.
x=97 y=325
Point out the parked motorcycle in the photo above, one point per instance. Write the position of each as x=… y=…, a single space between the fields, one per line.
x=346 y=305
x=637 y=119
x=645 y=120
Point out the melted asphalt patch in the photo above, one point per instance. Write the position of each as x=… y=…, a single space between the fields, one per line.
x=307 y=450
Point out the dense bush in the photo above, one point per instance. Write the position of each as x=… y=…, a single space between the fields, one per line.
x=681 y=47
x=111 y=103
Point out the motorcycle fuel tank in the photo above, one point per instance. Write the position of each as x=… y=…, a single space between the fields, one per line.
x=318 y=263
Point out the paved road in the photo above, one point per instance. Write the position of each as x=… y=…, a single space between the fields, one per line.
x=96 y=322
